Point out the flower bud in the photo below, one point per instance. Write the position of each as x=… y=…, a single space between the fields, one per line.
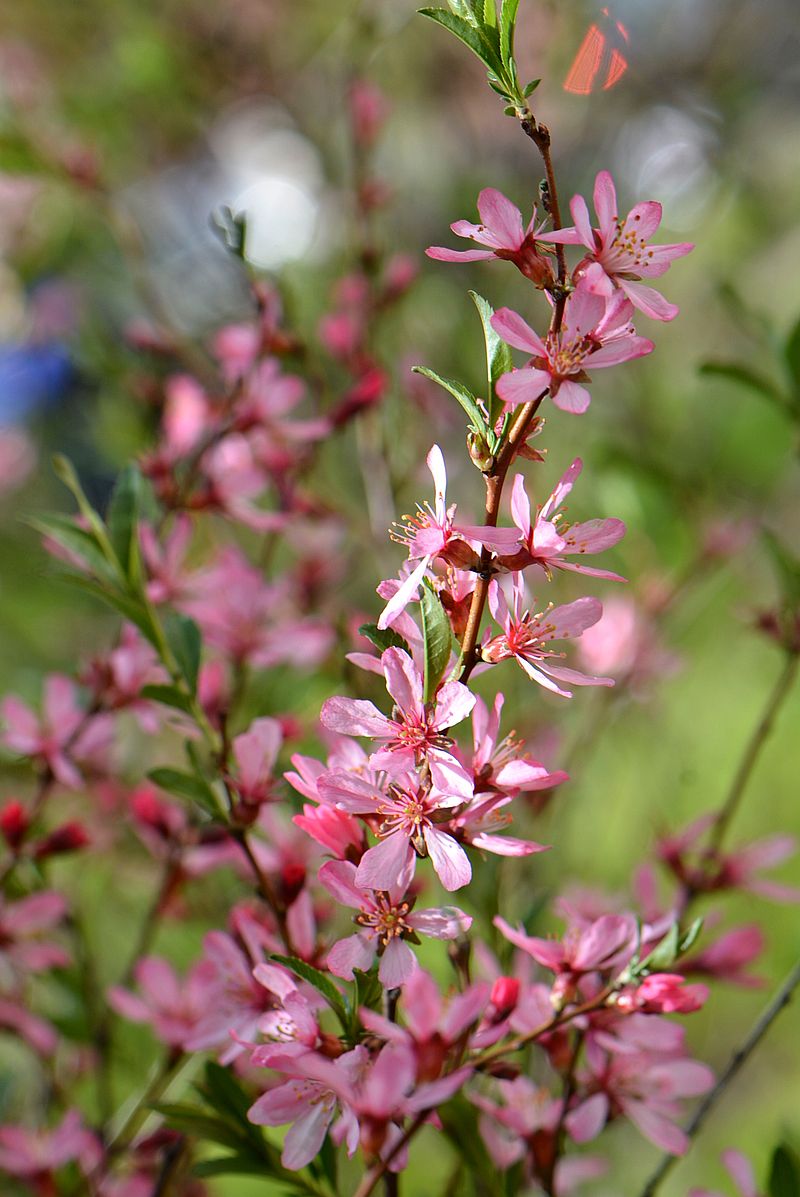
x=14 y=823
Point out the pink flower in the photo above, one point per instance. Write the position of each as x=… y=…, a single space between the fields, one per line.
x=502 y=232
x=255 y=753
x=594 y=333
x=47 y=738
x=619 y=251
x=728 y=957
x=34 y=1155
x=664 y=993
x=165 y=559
x=642 y=1087
x=740 y=1172
x=547 y=540
x=337 y=832
x=21 y=927
x=172 y=1009
x=39 y=1034
x=387 y=920
x=502 y=766
x=409 y=814
x=507 y=1128
x=525 y=636
x=416 y=730
x=429 y=534
x=310 y=1105
x=432 y=1026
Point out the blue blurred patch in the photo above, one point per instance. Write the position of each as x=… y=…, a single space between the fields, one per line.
x=33 y=378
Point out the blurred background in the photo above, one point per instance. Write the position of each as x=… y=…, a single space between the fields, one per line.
x=125 y=124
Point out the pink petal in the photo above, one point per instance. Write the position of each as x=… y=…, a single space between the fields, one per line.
x=354 y=952
x=583 y=224
x=648 y=300
x=384 y=865
x=453 y=703
x=402 y=680
x=440 y=922
x=422 y=1004
x=740 y=1171
x=506 y=845
x=643 y=219
x=517 y=332
x=338 y=877
x=586 y=1122
x=626 y=349
x=441 y=254
x=545 y=951
x=655 y=1126
x=569 y=397
x=448 y=858
x=524 y=385
x=354 y=717
x=304 y=1141
x=501 y=218
x=521 y=507
x=605 y=204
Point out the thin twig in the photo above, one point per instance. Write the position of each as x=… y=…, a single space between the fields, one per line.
x=752 y=752
x=737 y=1060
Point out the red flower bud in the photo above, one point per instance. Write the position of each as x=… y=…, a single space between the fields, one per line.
x=14 y=823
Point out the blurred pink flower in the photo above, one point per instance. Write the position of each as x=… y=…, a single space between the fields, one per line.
x=741 y=1173
x=34 y=1155
x=173 y=1009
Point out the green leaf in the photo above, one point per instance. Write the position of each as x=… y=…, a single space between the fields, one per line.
x=490 y=13
x=745 y=376
x=437 y=637
x=498 y=355
x=530 y=88
x=470 y=35
x=194 y=1120
x=784 y=1173
x=64 y=531
x=223 y=1092
x=124 y=604
x=168 y=696
x=122 y=521
x=689 y=936
x=663 y=956
x=464 y=397
x=322 y=983
x=792 y=354
x=383 y=638
x=241 y=1164
x=508 y=18
x=185 y=785
x=65 y=471
x=183 y=637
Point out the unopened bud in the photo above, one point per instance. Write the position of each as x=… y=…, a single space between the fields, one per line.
x=70 y=837
x=479 y=451
x=504 y=996
x=14 y=823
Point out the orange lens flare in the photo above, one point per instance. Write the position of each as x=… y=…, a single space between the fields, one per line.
x=600 y=62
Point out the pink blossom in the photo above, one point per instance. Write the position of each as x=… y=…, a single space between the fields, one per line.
x=429 y=534
x=432 y=1026
x=409 y=814
x=525 y=637
x=501 y=231
x=502 y=766
x=39 y=1034
x=23 y=946
x=664 y=993
x=310 y=1105
x=165 y=559
x=620 y=254
x=594 y=333
x=728 y=957
x=34 y=1155
x=255 y=753
x=506 y=1128
x=48 y=738
x=187 y=415
x=547 y=540
x=387 y=920
x=740 y=1171
x=643 y=1088
x=173 y=1009
x=416 y=730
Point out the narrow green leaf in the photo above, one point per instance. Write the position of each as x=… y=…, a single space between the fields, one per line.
x=168 y=696
x=745 y=376
x=383 y=638
x=322 y=983
x=437 y=637
x=185 y=785
x=241 y=1164
x=65 y=471
x=462 y=395
x=224 y=1094
x=792 y=354
x=784 y=1173
x=124 y=604
x=490 y=13
x=498 y=355
x=689 y=936
x=194 y=1120
x=183 y=637
x=122 y=521
x=508 y=18
x=64 y=531
x=530 y=88
x=367 y=994
x=469 y=35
